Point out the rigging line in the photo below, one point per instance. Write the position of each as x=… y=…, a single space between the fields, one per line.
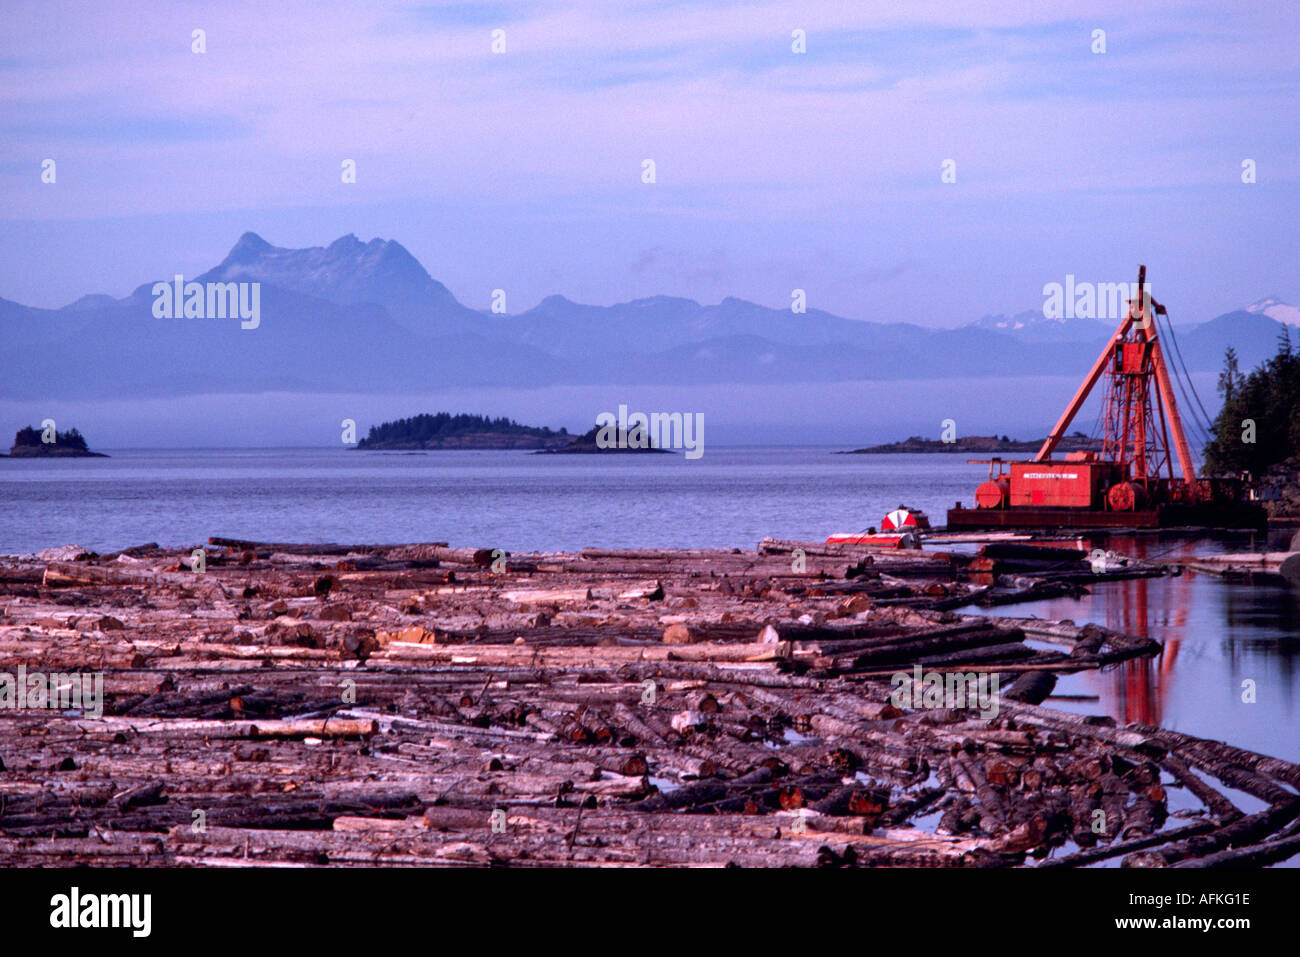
x=1173 y=337
x=1201 y=426
x=1173 y=353
x=1200 y=423
x=1184 y=379
x=1197 y=427
x=1184 y=383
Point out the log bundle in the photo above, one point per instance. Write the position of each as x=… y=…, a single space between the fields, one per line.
x=296 y=704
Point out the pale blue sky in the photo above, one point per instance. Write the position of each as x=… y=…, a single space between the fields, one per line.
x=775 y=170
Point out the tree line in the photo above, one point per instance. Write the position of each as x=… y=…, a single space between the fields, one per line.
x=422 y=428
x=1259 y=424
x=71 y=439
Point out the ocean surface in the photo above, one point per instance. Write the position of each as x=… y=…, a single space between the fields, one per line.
x=1217 y=634
x=514 y=500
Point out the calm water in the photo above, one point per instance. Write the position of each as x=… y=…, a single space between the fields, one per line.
x=1216 y=634
x=514 y=500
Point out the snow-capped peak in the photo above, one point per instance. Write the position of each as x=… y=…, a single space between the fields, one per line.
x=1277 y=310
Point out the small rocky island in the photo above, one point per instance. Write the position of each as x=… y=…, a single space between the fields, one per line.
x=447 y=431
x=626 y=440
x=32 y=443
x=1075 y=442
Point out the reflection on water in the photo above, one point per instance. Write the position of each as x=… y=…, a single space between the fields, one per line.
x=1221 y=640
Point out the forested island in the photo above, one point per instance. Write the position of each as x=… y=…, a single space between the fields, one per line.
x=30 y=443
x=1074 y=442
x=447 y=431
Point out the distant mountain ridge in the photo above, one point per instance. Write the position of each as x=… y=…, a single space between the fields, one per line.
x=367 y=317
x=1032 y=325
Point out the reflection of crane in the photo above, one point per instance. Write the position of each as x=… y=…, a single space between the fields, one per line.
x=1142 y=686
x=1139 y=696
x=1131 y=482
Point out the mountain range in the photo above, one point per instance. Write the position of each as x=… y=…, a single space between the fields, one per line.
x=366 y=317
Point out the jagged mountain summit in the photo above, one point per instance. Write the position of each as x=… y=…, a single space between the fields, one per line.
x=347 y=272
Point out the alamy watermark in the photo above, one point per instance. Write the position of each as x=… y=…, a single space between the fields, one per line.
x=55 y=691
x=210 y=300
x=954 y=689
x=657 y=430
x=133 y=912
x=1087 y=300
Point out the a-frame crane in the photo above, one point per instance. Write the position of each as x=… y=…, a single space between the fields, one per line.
x=1131 y=481
x=1136 y=431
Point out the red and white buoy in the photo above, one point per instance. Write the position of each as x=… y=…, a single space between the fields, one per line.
x=903 y=519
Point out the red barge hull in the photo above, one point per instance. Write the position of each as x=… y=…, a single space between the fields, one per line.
x=1245 y=515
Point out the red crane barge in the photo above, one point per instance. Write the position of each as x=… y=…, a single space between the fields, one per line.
x=1131 y=482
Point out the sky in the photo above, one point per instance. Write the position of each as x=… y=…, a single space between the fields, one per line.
x=774 y=169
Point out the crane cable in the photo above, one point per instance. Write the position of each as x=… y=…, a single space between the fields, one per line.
x=1201 y=425
x=1178 y=352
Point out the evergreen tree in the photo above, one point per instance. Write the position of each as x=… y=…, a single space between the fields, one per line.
x=1259 y=423
x=1230 y=377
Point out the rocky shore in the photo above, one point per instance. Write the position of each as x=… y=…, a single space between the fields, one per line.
x=1283 y=482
